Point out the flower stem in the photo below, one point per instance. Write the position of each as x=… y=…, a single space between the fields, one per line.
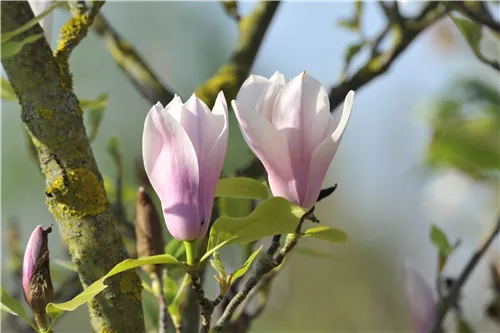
x=190 y=252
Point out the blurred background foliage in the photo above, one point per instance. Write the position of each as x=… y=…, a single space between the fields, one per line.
x=422 y=147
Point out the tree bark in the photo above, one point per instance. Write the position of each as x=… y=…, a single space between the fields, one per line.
x=74 y=189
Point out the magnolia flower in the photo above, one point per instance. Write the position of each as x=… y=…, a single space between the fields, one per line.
x=421 y=300
x=37 y=284
x=46 y=23
x=288 y=125
x=183 y=148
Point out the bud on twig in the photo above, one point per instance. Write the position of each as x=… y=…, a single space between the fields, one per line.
x=37 y=284
x=147 y=229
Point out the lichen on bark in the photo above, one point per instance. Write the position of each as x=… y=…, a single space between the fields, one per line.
x=74 y=188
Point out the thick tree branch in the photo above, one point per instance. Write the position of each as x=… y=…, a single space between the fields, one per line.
x=132 y=63
x=405 y=31
x=452 y=297
x=74 y=189
x=252 y=29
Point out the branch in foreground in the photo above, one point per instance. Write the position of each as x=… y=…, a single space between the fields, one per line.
x=265 y=265
x=252 y=29
x=132 y=63
x=74 y=189
x=451 y=299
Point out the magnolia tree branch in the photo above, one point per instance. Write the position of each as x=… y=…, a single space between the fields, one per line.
x=229 y=78
x=264 y=265
x=452 y=297
x=405 y=31
x=74 y=189
x=132 y=63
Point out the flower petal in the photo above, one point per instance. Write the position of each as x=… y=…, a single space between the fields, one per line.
x=47 y=22
x=265 y=104
x=421 y=300
x=251 y=90
x=302 y=114
x=268 y=144
x=172 y=167
x=346 y=114
x=215 y=157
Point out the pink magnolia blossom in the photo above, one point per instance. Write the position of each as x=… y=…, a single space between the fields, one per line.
x=183 y=148
x=288 y=125
x=47 y=22
x=421 y=300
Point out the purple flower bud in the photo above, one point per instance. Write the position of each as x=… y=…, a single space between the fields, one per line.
x=183 y=148
x=37 y=284
x=288 y=125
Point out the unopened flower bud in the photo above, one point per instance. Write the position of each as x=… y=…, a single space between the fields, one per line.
x=37 y=284
x=148 y=229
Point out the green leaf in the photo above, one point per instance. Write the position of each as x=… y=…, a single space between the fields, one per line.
x=65 y=264
x=235 y=207
x=349 y=24
x=329 y=234
x=273 y=216
x=8 y=93
x=175 y=307
x=243 y=269
x=8 y=35
x=169 y=286
x=352 y=50
x=316 y=254
x=241 y=187
x=218 y=265
x=54 y=310
x=12 y=48
x=472 y=33
x=439 y=239
x=13 y=306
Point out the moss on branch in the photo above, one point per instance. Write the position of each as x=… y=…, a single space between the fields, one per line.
x=74 y=188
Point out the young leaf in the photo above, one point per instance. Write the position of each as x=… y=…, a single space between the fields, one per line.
x=8 y=35
x=272 y=217
x=331 y=235
x=54 y=310
x=472 y=33
x=12 y=48
x=218 y=265
x=173 y=246
x=7 y=91
x=13 y=306
x=439 y=239
x=243 y=269
x=241 y=187
x=235 y=207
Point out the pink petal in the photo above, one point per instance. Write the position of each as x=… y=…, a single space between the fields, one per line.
x=251 y=90
x=302 y=114
x=31 y=255
x=323 y=155
x=47 y=22
x=270 y=148
x=215 y=157
x=265 y=104
x=421 y=299
x=172 y=167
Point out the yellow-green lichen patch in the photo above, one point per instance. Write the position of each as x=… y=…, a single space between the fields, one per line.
x=106 y=330
x=46 y=113
x=79 y=110
x=226 y=80
x=76 y=194
x=131 y=284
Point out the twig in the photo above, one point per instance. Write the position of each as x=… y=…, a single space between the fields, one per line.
x=265 y=265
x=451 y=298
x=132 y=63
x=477 y=12
x=380 y=63
x=252 y=29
